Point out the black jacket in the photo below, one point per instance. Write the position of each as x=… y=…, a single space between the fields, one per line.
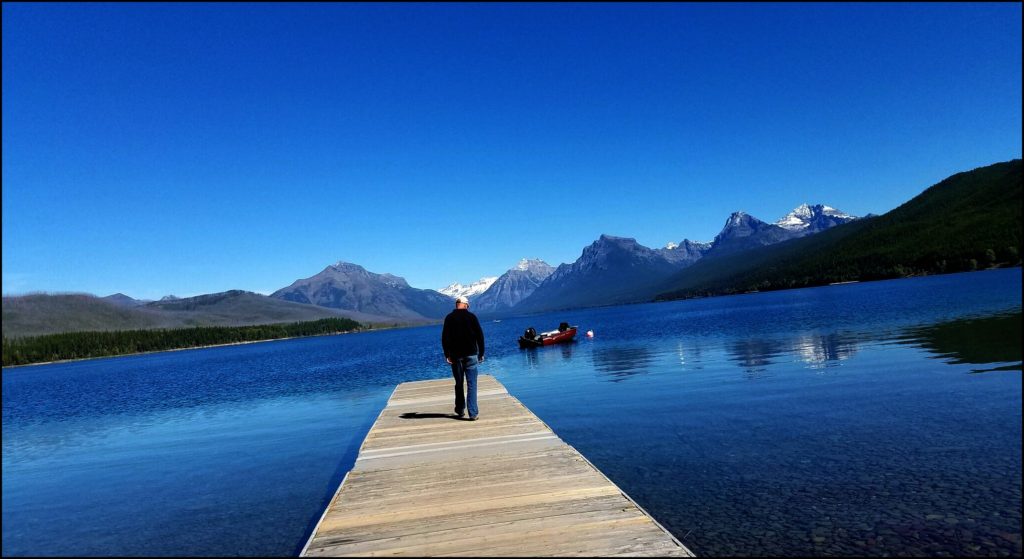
x=462 y=335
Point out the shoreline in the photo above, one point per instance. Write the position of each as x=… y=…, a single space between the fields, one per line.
x=834 y=284
x=838 y=283
x=200 y=347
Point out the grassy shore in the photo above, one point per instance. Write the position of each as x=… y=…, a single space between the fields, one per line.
x=15 y=354
x=71 y=346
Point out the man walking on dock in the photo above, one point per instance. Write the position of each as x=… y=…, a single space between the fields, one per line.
x=463 y=342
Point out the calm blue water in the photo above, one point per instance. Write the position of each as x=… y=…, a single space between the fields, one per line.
x=867 y=419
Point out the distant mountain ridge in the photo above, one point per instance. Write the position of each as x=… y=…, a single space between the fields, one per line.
x=743 y=231
x=610 y=270
x=123 y=300
x=31 y=315
x=686 y=251
x=512 y=287
x=347 y=286
x=969 y=221
x=615 y=270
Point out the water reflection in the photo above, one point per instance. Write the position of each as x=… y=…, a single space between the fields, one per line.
x=229 y=375
x=754 y=355
x=819 y=351
x=994 y=339
x=689 y=357
x=539 y=357
x=622 y=362
x=987 y=340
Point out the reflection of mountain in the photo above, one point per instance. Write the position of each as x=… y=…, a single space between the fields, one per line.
x=755 y=354
x=819 y=351
x=622 y=362
x=994 y=339
x=816 y=350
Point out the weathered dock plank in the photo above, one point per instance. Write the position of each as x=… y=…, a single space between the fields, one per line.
x=428 y=484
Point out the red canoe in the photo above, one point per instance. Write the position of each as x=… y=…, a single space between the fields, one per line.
x=532 y=339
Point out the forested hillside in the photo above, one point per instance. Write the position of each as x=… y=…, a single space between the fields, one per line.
x=79 y=345
x=969 y=221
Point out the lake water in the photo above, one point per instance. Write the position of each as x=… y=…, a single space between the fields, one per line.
x=878 y=418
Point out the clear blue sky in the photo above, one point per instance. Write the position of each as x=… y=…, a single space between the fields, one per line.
x=154 y=149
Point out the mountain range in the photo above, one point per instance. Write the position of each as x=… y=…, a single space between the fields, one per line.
x=611 y=270
x=968 y=221
x=615 y=270
x=38 y=314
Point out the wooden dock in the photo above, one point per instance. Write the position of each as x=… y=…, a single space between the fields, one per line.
x=427 y=484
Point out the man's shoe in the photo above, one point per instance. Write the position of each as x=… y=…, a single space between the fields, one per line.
x=459 y=413
x=472 y=418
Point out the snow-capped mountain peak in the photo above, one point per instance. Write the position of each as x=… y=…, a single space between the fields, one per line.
x=671 y=245
x=829 y=210
x=799 y=218
x=457 y=289
x=805 y=216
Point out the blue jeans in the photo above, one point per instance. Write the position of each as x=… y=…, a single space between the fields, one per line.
x=465 y=367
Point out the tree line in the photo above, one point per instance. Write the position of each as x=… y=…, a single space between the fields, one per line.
x=80 y=345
